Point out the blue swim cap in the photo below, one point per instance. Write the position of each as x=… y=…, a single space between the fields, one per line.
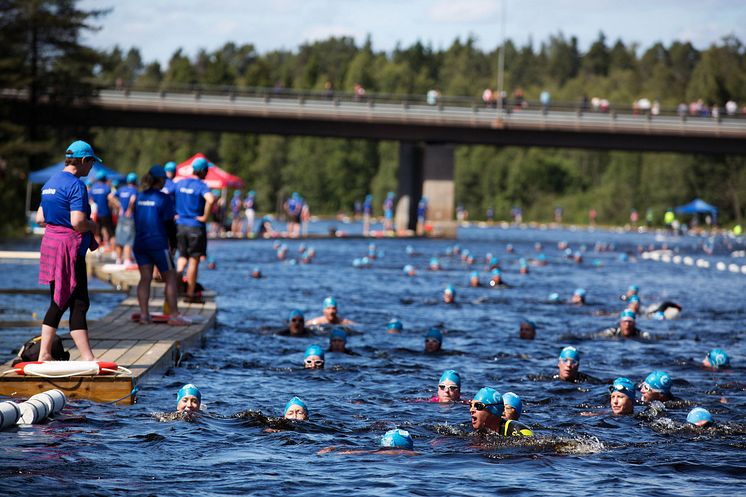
x=474 y=274
x=101 y=176
x=579 y=292
x=450 y=375
x=116 y=182
x=200 y=164
x=314 y=350
x=330 y=302
x=513 y=400
x=295 y=401
x=496 y=272
x=395 y=324
x=434 y=261
x=554 y=297
x=494 y=260
x=397 y=439
x=338 y=334
x=170 y=166
x=408 y=268
x=522 y=262
x=489 y=395
x=633 y=288
x=625 y=386
x=659 y=381
x=627 y=315
x=718 y=359
x=570 y=352
x=409 y=249
x=435 y=334
x=542 y=257
x=132 y=178
x=295 y=313
x=450 y=289
x=528 y=322
x=699 y=416
x=188 y=389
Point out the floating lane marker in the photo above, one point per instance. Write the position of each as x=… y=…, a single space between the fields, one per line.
x=688 y=261
x=666 y=258
x=720 y=266
x=676 y=259
x=733 y=268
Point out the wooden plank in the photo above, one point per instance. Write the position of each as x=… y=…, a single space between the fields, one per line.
x=96 y=388
x=161 y=356
x=134 y=353
x=117 y=350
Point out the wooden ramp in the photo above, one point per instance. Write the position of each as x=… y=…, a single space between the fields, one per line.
x=143 y=349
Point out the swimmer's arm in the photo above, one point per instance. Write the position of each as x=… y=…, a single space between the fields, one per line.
x=40 y=217
x=592 y=414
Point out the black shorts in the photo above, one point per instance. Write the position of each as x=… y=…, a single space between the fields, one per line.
x=105 y=222
x=191 y=241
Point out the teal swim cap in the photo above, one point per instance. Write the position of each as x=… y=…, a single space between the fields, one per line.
x=170 y=167
x=434 y=261
x=627 y=315
x=580 y=292
x=496 y=272
x=492 y=399
x=395 y=324
x=450 y=289
x=295 y=313
x=474 y=274
x=314 y=350
x=570 y=352
x=330 y=302
x=718 y=359
x=408 y=268
x=659 y=381
x=188 y=389
x=513 y=400
x=295 y=401
x=554 y=297
x=699 y=417
x=634 y=288
x=397 y=439
x=451 y=375
x=435 y=334
x=132 y=178
x=625 y=386
x=522 y=262
x=338 y=334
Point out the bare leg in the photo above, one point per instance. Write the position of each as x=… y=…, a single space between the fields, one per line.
x=192 y=275
x=143 y=291
x=45 y=347
x=181 y=263
x=80 y=337
x=172 y=291
x=128 y=254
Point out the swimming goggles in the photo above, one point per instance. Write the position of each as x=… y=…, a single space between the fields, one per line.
x=569 y=361
x=619 y=388
x=311 y=362
x=451 y=388
x=480 y=406
x=432 y=340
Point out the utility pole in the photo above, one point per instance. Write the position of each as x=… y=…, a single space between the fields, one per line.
x=501 y=60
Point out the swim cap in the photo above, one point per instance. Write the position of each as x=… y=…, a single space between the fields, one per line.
x=330 y=302
x=474 y=274
x=295 y=401
x=434 y=261
x=659 y=381
x=554 y=297
x=513 y=400
x=489 y=395
x=409 y=249
x=435 y=334
x=314 y=350
x=625 y=386
x=132 y=178
x=627 y=315
x=522 y=262
x=633 y=288
x=295 y=313
x=101 y=176
x=718 y=359
x=450 y=289
x=200 y=164
x=570 y=352
x=408 y=268
x=580 y=292
x=528 y=322
x=494 y=261
x=699 y=416
x=633 y=298
x=450 y=375
x=496 y=272
x=395 y=324
x=338 y=334
x=188 y=389
x=170 y=166
x=397 y=439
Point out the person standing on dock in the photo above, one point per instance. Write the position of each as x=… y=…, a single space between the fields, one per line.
x=102 y=196
x=193 y=205
x=68 y=236
x=125 y=231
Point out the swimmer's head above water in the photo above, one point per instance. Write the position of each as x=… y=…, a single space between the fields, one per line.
x=527 y=329
x=296 y=322
x=449 y=386
x=716 y=359
x=578 y=296
x=512 y=406
x=700 y=417
x=397 y=439
x=474 y=279
x=622 y=396
x=485 y=409
x=657 y=386
x=394 y=326
x=568 y=364
x=627 y=323
x=314 y=357
x=296 y=409
x=449 y=294
x=433 y=340
x=330 y=309
x=633 y=303
x=337 y=340
x=188 y=398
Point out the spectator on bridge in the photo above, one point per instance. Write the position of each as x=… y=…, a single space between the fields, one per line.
x=731 y=108
x=488 y=98
x=359 y=92
x=329 y=90
x=545 y=99
x=433 y=96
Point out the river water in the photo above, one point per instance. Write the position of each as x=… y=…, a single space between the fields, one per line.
x=246 y=374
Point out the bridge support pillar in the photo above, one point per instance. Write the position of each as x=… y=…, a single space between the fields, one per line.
x=409 y=178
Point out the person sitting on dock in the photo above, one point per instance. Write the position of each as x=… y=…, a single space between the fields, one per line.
x=314 y=357
x=330 y=314
x=485 y=409
x=188 y=399
x=296 y=409
x=66 y=212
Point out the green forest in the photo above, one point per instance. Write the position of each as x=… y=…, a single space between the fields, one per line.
x=44 y=51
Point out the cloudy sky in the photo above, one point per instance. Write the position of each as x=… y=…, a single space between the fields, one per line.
x=159 y=27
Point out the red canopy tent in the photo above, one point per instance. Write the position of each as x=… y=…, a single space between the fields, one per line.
x=216 y=177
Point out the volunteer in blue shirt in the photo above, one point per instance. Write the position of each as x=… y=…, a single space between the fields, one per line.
x=250 y=211
x=102 y=196
x=367 y=213
x=155 y=242
x=125 y=232
x=169 y=188
x=66 y=213
x=193 y=204
x=236 y=214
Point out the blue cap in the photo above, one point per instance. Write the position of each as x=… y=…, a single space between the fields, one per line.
x=295 y=401
x=397 y=439
x=101 y=176
x=633 y=298
x=451 y=375
x=295 y=313
x=314 y=350
x=132 y=178
x=542 y=257
x=434 y=261
x=625 y=386
x=450 y=289
x=522 y=262
x=188 y=389
x=330 y=302
x=251 y=193
x=718 y=359
x=496 y=272
x=579 y=292
x=474 y=274
x=633 y=288
x=157 y=172
x=338 y=334
x=395 y=324
x=200 y=164
x=494 y=260
x=80 y=150
x=528 y=322
x=170 y=167
x=699 y=416
x=554 y=297
x=570 y=352
x=490 y=396
x=408 y=268
x=434 y=333
x=659 y=381
x=237 y=193
x=627 y=315
x=513 y=400
x=116 y=182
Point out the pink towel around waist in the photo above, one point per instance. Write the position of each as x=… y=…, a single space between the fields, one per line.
x=58 y=253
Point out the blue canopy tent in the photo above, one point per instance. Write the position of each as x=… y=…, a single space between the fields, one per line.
x=698 y=206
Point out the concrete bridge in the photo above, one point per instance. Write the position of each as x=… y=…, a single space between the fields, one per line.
x=427 y=132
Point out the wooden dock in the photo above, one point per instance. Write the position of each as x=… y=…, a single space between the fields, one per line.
x=143 y=349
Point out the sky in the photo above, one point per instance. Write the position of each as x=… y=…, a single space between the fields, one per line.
x=159 y=27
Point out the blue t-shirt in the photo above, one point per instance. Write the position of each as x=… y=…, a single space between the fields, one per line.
x=367 y=207
x=124 y=194
x=250 y=202
x=190 y=201
x=153 y=209
x=169 y=188
x=99 y=193
x=62 y=194
x=236 y=204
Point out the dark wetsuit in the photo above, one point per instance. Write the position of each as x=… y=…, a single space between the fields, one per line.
x=515 y=429
x=617 y=332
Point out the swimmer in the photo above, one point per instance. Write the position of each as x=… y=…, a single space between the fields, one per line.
x=634 y=303
x=577 y=257
x=496 y=279
x=296 y=324
x=627 y=327
x=474 y=279
x=338 y=340
x=493 y=263
x=314 y=357
x=632 y=290
x=700 y=417
x=449 y=387
x=554 y=298
x=256 y=273
x=509 y=248
x=716 y=359
x=330 y=314
x=188 y=399
x=665 y=310
x=433 y=340
x=578 y=296
x=657 y=386
x=622 y=397
x=394 y=326
x=435 y=264
x=513 y=407
x=523 y=266
x=449 y=295
x=527 y=329
x=393 y=442
x=568 y=364
x=485 y=410
x=541 y=260
x=409 y=270
x=296 y=409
